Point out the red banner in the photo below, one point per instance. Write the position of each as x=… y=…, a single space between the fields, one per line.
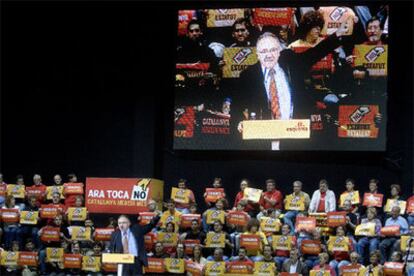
x=237 y=218
x=103 y=234
x=189 y=245
x=73 y=188
x=410 y=205
x=273 y=16
x=72 y=260
x=373 y=200
x=10 y=215
x=350 y=270
x=311 y=247
x=50 y=234
x=184 y=17
x=239 y=267
x=50 y=210
x=27 y=258
x=155 y=265
x=357 y=121
x=145 y=217
x=107 y=267
x=186 y=219
x=305 y=223
x=121 y=195
x=149 y=241
x=335 y=219
x=3 y=189
x=393 y=268
x=37 y=191
x=214 y=194
x=390 y=231
x=250 y=242
x=194 y=268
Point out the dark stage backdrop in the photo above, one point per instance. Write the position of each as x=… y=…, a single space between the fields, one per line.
x=88 y=88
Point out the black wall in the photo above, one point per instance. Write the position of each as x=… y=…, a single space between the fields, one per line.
x=87 y=88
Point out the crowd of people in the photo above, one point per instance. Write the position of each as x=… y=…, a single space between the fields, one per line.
x=47 y=230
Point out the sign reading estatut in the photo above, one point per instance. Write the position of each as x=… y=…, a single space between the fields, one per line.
x=122 y=195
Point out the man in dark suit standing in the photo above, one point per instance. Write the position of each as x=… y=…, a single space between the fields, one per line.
x=273 y=88
x=129 y=239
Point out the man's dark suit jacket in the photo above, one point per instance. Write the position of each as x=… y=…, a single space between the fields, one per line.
x=138 y=232
x=300 y=269
x=252 y=93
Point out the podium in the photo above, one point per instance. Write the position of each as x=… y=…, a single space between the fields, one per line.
x=120 y=259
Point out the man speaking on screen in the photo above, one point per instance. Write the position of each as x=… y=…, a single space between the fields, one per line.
x=273 y=88
x=129 y=239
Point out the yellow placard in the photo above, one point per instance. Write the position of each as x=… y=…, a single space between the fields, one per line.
x=113 y=258
x=54 y=254
x=223 y=17
x=29 y=217
x=395 y=202
x=295 y=203
x=405 y=241
x=50 y=190
x=213 y=215
x=336 y=243
x=351 y=196
x=264 y=268
x=80 y=233
x=168 y=239
x=268 y=224
x=180 y=195
x=9 y=258
x=166 y=217
x=366 y=229
x=282 y=242
x=237 y=59
x=91 y=263
x=215 y=240
x=252 y=194
x=276 y=129
x=215 y=268
x=77 y=213
x=17 y=191
x=319 y=273
x=364 y=271
x=373 y=57
x=173 y=265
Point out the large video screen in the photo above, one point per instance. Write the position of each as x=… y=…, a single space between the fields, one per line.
x=282 y=78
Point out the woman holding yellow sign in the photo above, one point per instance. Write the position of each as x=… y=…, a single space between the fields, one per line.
x=182 y=196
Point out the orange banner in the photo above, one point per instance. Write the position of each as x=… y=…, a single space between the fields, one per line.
x=335 y=219
x=72 y=260
x=73 y=188
x=189 y=245
x=390 y=231
x=50 y=210
x=103 y=234
x=145 y=217
x=305 y=223
x=155 y=265
x=393 y=269
x=214 y=194
x=350 y=270
x=27 y=258
x=273 y=16
x=310 y=247
x=238 y=267
x=357 y=121
x=187 y=219
x=250 y=242
x=10 y=215
x=373 y=200
x=122 y=195
x=237 y=218
x=194 y=268
x=50 y=234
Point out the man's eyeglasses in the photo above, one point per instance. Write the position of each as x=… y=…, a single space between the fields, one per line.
x=239 y=30
x=271 y=50
x=194 y=31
